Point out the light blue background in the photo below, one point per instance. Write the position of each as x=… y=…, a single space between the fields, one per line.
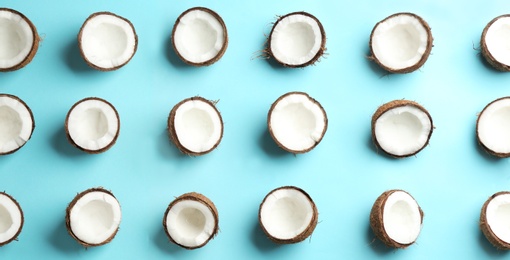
x=451 y=178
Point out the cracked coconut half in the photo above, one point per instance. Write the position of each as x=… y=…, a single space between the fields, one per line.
x=16 y=124
x=401 y=43
x=11 y=219
x=288 y=215
x=494 y=42
x=107 y=41
x=495 y=220
x=297 y=40
x=401 y=128
x=92 y=125
x=93 y=217
x=191 y=220
x=493 y=127
x=199 y=37
x=297 y=122
x=195 y=126
x=19 y=40
x=396 y=218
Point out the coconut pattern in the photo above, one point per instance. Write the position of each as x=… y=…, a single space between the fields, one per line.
x=493 y=43
x=495 y=220
x=11 y=219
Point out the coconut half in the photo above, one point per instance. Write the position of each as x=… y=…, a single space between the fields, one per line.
x=493 y=127
x=11 y=219
x=401 y=128
x=288 y=215
x=297 y=40
x=396 y=218
x=495 y=220
x=93 y=217
x=195 y=126
x=297 y=122
x=401 y=43
x=199 y=37
x=191 y=220
x=92 y=125
x=16 y=124
x=19 y=40
x=494 y=42
x=107 y=41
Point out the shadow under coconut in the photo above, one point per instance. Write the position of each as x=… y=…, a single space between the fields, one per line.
x=488 y=66
x=377 y=245
x=373 y=147
x=172 y=56
x=374 y=66
x=74 y=60
x=261 y=241
x=164 y=244
x=483 y=153
x=62 y=146
x=269 y=146
x=488 y=248
x=168 y=149
x=62 y=241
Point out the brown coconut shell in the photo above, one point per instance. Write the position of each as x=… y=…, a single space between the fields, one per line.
x=33 y=49
x=194 y=196
x=68 y=214
x=485 y=51
x=31 y=117
x=270 y=129
x=425 y=54
x=173 y=134
x=225 y=38
x=90 y=64
x=317 y=56
x=487 y=149
x=394 y=104
x=303 y=235
x=15 y=237
x=376 y=220
x=486 y=229
x=71 y=141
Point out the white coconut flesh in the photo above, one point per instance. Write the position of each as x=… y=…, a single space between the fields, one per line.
x=494 y=126
x=498 y=217
x=401 y=218
x=297 y=122
x=296 y=39
x=198 y=126
x=16 y=124
x=198 y=36
x=190 y=223
x=16 y=39
x=10 y=218
x=95 y=217
x=403 y=130
x=497 y=39
x=286 y=213
x=400 y=41
x=93 y=124
x=108 y=41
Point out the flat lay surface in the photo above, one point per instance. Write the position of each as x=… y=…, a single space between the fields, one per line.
x=450 y=178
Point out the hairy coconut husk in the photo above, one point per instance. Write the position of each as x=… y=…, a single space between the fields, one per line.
x=303 y=235
x=31 y=117
x=225 y=38
x=486 y=229
x=485 y=51
x=487 y=149
x=68 y=215
x=15 y=237
x=425 y=54
x=194 y=196
x=377 y=223
x=33 y=49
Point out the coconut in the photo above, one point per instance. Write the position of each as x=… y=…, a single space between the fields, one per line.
x=16 y=123
x=107 y=41
x=199 y=37
x=297 y=122
x=11 y=219
x=191 y=220
x=195 y=126
x=401 y=128
x=93 y=217
x=396 y=218
x=297 y=40
x=92 y=125
x=19 y=40
x=493 y=126
x=288 y=215
x=494 y=42
x=401 y=43
x=495 y=220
